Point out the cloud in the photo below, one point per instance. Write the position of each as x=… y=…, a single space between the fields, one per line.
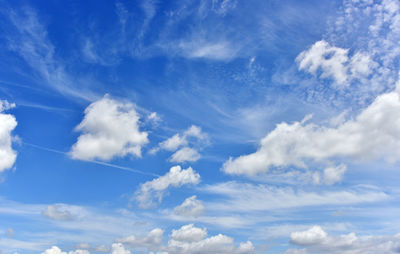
x=7 y=125
x=155 y=189
x=56 y=250
x=190 y=240
x=118 y=248
x=29 y=39
x=334 y=62
x=153 y=239
x=373 y=134
x=62 y=212
x=193 y=136
x=331 y=175
x=316 y=240
x=109 y=129
x=189 y=233
x=190 y=207
x=185 y=154
x=241 y=197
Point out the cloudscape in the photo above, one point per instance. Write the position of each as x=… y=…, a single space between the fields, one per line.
x=200 y=127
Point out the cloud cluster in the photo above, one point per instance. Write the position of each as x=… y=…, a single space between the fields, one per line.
x=333 y=62
x=373 y=134
x=193 y=136
x=109 y=129
x=7 y=125
x=316 y=240
x=155 y=189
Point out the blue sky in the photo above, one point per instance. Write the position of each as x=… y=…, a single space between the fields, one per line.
x=216 y=126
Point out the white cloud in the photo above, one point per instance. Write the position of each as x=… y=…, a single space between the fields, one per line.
x=56 y=250
x=110 y=129
x=310 y=236
x=335 y=63
x=193 y=136
x=242 y=197
x=373 y=134
x=189 y=233
x=63 y=212
x=118 y=248
x=191 y=240
x=190 y=207
x=155 y=189
x=316 y=240
x=222 y=50
x=185 y=154
x=7 y=125
x=153 y=238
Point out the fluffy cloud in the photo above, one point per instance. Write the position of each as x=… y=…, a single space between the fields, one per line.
x=118 y=248
x=330 y=175
x=155 y=189
x=63 y=212
x=110 y=128
x=190 y=240
x=56 y=250
x=7 y=125
x=374 y=133
x=185 y=154
x=316 y=240
x=190 y=207
x=153 y=238
x=189 y=233
x=192 y=136
x=334 y=62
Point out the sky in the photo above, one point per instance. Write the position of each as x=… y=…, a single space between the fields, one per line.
x=192 y=127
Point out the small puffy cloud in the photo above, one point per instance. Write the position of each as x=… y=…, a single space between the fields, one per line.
x=373 y=134
x=155 y=189
x=118 y=248
x=316 y=240
x=109 y=129
x=63 y=212
x=153 y=238
x=311 y=236
x=190 y=240
x=10 y=232
x=7 y=125
x=56 y=250
x=190 y=207
x=185 y=154
x=335 y=63
x=193 y=136
x=189 y=233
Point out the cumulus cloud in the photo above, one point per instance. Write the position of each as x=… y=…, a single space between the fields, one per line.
x=316 y=240
x=190 y=207
x=185 y=154
x=190 y=240
x=63 y=212
x=333 y=62
x=153 y=238
x=373 y=134
x=109 y=129
x=56 y=250
x=193 y=136
x=118 y=248
x=155 y=189
x=189 y=233
x=7 y=125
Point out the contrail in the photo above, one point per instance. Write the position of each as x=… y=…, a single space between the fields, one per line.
x=92 y=161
